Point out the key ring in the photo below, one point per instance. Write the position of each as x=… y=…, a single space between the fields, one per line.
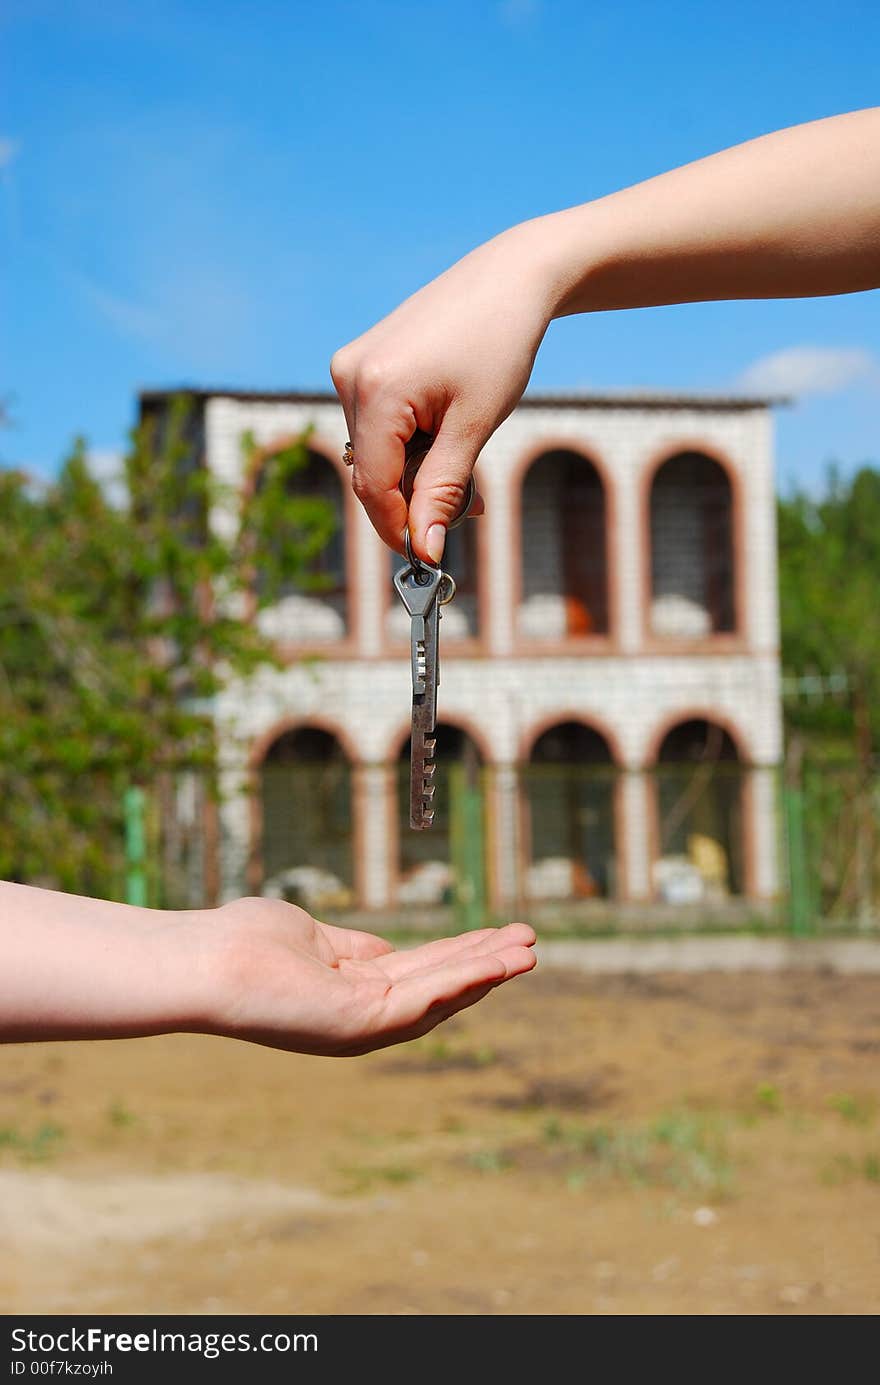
x=420 y=569
x=417 y=449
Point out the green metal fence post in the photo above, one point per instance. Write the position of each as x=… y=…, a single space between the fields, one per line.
x=467 y=848
x=798 y=868
x=135 y=846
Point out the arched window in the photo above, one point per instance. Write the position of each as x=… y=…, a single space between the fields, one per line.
x=692 y=577
x=699 y=799
x=564 y=558
x=427 y=865
x=306 y=828
x=570 y=793
x=461 y=617
x=312 y=608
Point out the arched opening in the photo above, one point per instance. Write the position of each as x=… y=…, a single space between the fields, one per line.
x=306 y=820
x=312 y=605
x=431 y=862
x=700 y=815
x=564 y=557
x=461 y=617
x=570 y=782
x=692 y=565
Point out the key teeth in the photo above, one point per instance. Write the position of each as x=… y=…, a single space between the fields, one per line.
x=429 y=769
x=428 y=817
x=430 y=747
x=428 y=792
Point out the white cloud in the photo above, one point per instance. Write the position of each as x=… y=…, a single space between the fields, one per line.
x=514 y=13
x=809 y=370
x=8 y=150
x=128 y=318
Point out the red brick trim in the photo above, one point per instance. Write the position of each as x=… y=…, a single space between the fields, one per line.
x=457 y=719
x=569 y=714
x=697 y=713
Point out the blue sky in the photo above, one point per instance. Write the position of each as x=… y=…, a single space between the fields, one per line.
x=222 y=194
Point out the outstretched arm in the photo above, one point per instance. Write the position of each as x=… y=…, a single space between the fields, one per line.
x=790 y=215
x=258 y=969
x=793 y=214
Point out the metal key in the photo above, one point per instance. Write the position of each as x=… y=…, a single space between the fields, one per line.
x=423 y=590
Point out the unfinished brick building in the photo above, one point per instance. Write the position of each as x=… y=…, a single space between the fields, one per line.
x=610 y=667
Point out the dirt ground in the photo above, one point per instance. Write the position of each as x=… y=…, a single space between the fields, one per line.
x=576 y=1145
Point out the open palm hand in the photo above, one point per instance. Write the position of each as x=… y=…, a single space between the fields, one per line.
x=293 y=983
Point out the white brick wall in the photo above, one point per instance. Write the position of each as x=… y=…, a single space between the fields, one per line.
x=632 y=694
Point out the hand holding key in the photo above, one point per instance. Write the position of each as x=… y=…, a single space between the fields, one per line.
x=423 y=590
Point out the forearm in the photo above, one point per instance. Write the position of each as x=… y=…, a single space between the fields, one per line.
x=84 y=968
x=793 y=214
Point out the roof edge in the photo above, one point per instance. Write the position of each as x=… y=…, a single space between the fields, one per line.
x=610 y=399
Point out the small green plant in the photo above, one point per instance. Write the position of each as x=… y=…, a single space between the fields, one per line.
x=119 y=1115
x=396 y=1173
x=485 y=1056
x=844 y=1168
x=552 y=1131
x=857 y=1110
x=681 y=1149
x=490 y=1160
x=445 y=1054
x=35 y=1148
x=768 y=1098
x=363 y=1178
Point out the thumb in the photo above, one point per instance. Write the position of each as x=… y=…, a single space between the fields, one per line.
x=440 y=490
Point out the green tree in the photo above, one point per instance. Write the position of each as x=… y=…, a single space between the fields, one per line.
x=119 y=625
x=829 y=578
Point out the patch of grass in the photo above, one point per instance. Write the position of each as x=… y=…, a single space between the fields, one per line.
x=396 y=1173
x=490 y=1160
x=681 y=1149
x=856 y=1110
x=119 y=1116
x=440 y=1055
x=33 y=1148
x=362 y=1178
x=768 y=1098
x=845 y=1168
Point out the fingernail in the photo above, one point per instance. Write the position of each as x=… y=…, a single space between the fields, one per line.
x=435 y=542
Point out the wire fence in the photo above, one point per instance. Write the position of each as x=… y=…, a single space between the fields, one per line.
x=830 y=841
x=554 y=841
